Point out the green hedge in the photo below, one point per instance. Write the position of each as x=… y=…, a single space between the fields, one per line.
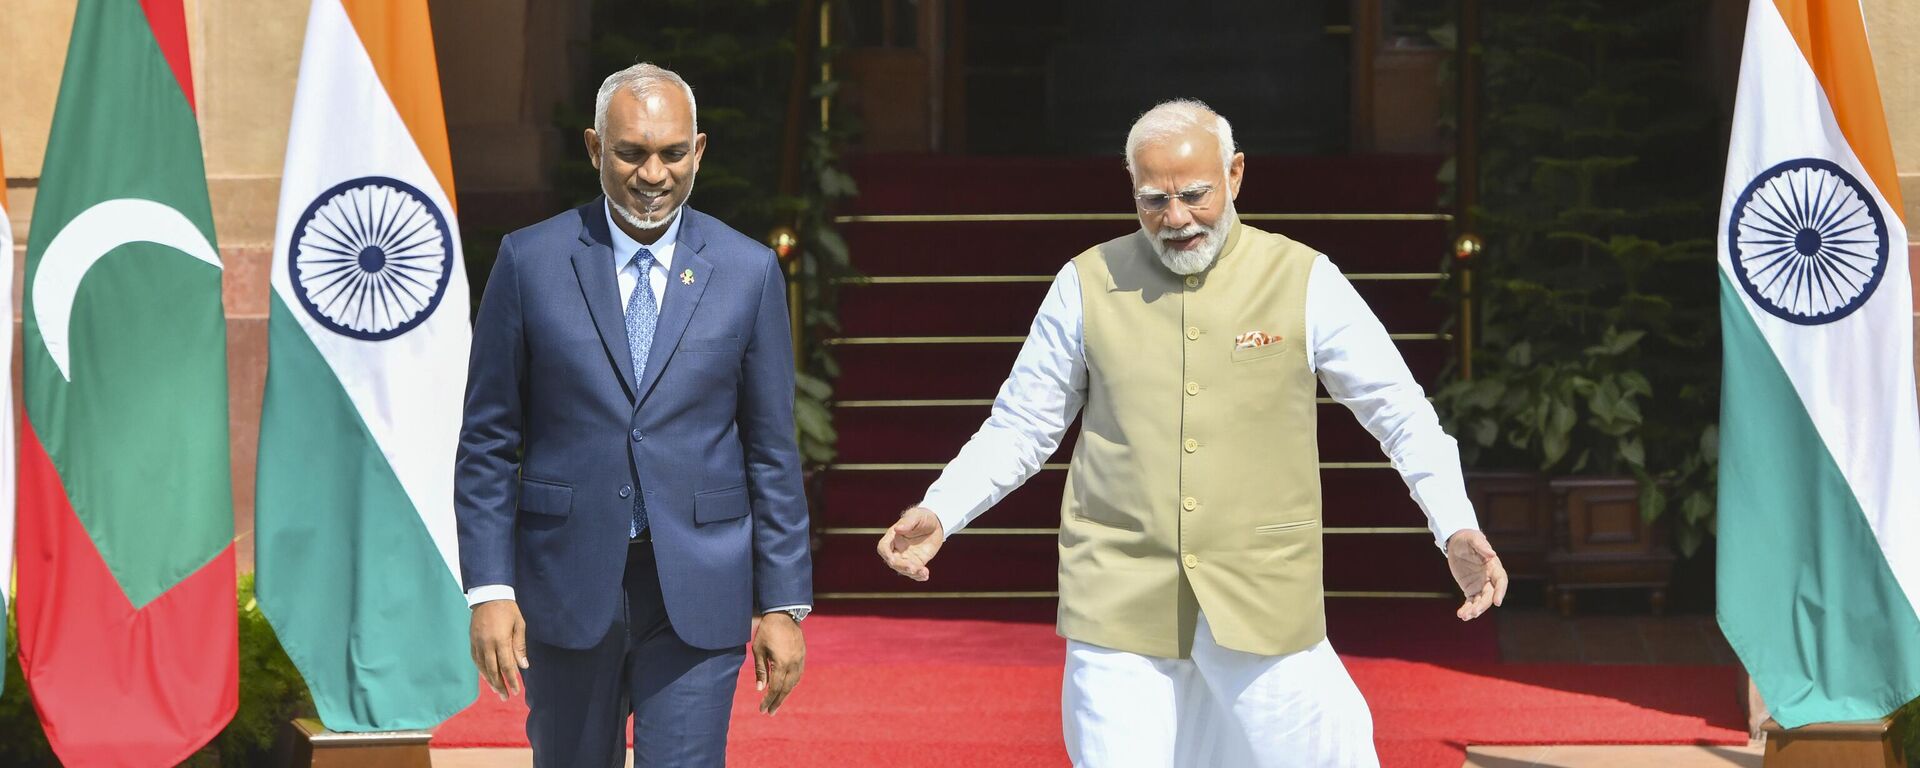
x=21 y=740
x=1906 y=731
x=271 y=692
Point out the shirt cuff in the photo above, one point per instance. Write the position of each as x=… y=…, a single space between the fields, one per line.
x=1449 y=511
x=952 y=519
x=803 y=609
x=487 y=593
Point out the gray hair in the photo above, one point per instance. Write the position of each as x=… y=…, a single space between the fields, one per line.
x=639 y=80
x=1169 y=118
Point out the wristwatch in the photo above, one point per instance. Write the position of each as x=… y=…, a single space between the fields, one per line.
x=797 y=614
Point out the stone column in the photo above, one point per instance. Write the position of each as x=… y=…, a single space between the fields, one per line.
x=1892 y=27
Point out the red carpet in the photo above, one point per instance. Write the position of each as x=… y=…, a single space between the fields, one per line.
x=934 y=690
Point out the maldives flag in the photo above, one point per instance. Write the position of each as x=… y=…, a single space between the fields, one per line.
x=126 y=599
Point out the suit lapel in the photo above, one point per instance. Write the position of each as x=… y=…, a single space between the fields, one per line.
x=686 y=282
x=593 y=265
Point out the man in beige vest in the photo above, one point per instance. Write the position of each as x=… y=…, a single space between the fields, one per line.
x=1190 y=557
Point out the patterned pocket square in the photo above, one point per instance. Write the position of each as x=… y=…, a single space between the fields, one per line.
x=1255 y=340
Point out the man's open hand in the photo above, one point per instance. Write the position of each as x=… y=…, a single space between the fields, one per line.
x=779 y=656
x=1478 y=572
x=499 y=644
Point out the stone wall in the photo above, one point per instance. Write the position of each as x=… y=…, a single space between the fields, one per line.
x=505 y=65
x=1891 y=24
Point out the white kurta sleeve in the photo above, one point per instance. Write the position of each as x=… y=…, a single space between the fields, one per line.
x=1357 y=361
x=1039 y=400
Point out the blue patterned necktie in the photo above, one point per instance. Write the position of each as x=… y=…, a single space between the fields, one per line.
x=642 y=316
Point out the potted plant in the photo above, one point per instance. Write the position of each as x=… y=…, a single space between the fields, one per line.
x=1582 y=513
x=1605 y=500
x=1508 y=491
x=1596 y=356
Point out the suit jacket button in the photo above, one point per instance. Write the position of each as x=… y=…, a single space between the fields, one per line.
x=637 y=437
x=625 y=491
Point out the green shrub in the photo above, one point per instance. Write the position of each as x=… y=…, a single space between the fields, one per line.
x=1906 y=732
x=22 y=742
x=1597 y=347
x=271 y=689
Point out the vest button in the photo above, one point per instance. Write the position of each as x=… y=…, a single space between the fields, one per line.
x=1193 y=387
x=1191 y=445
x=1193 y=334
x=1189 y=503
x=625 y=491
x=1190 y=561
x=1192 y=281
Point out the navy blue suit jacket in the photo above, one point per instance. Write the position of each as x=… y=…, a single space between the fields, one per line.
x=557 y=435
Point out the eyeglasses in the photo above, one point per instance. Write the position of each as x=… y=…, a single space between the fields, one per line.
x=1195 y=199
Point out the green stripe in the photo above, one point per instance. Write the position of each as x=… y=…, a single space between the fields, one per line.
x=1806 y=597
x=139 y=437
x=348 y=574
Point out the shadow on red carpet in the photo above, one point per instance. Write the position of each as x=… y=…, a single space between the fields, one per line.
x=939 y=688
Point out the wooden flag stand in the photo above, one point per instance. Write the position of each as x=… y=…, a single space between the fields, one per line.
x=305 y=743
x=1864 y=744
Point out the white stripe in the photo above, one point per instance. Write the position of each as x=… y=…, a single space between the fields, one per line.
x=408 y=388
x=1854 y=375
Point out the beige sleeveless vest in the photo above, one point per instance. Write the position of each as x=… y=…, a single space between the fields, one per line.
x=1196 y=482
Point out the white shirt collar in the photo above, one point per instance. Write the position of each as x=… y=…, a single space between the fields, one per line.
x=625 y=247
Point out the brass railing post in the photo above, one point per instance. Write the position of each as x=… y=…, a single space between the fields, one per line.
x=784 y=241
x=1466 y=172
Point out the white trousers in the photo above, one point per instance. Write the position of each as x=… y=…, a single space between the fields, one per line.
x=1220 y=708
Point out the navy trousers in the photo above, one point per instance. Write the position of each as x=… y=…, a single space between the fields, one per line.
x=680 y=696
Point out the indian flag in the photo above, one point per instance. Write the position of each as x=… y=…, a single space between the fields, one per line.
x=357 y=562
x=126 y=602
x=1820 y=436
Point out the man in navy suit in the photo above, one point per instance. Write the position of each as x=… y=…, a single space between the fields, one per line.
x=628 y=481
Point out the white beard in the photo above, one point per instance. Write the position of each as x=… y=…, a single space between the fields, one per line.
x=640 y=222
x=629 y=216
x=1197 y=260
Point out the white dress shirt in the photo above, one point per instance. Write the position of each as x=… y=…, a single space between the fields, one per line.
x=1350 y=351
x=625 y=248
